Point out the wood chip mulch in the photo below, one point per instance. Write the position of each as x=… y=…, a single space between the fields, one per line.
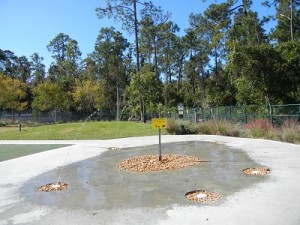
x=58 y=186
x=151 y=163
x=257 y=171
x=203 y=196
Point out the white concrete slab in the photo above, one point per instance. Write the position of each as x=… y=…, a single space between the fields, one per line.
x=276 y=201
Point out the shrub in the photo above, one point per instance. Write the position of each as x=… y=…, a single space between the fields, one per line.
x=290 y=131
x=207 y=127
x=226 y=128
x=221 y=127
x=180 y=127
x=172 y=126
x=261 y=128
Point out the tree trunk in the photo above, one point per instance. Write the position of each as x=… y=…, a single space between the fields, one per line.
x=136 y=38
x=291 y=20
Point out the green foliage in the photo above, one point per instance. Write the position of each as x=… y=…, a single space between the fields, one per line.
x=143 y=90
x=88 y=95
x=225 y=57
x=181 y=127
x=108 y=57
x=259 y=75
x=12 y=94
x=49 y=96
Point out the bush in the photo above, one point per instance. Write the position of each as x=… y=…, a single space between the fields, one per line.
x=206 y=128
x=290 y=131
x=222 y=127
x=180 y=127
x=172 y=126
x=261 y=128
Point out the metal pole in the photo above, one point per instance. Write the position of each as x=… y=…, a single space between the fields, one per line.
x=159 y=138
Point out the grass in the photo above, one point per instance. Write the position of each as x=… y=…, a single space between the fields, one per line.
x=79 y=131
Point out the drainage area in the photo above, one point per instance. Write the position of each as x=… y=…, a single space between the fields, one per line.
x=98 y=183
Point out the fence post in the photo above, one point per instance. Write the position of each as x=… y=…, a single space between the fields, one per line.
x=245 y=114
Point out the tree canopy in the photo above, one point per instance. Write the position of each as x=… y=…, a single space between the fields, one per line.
x=225 y=57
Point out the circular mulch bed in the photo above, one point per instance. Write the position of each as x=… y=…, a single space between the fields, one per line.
x=257 y=171
x=150 y=163
x=203 y=196
x=58 y=186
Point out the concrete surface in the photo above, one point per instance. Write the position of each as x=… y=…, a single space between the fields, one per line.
x=101 y=194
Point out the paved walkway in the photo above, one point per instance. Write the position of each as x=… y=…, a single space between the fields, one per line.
x=276 y=200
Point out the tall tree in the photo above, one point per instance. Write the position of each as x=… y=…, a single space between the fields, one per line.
x=66 y=53
x=127 y=11
x=108 y=56
x=38 y=69
x=288 y=18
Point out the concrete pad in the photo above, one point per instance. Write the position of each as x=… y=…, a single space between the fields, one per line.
x=271 y=200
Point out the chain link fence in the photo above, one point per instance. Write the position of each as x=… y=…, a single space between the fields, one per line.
x=244 y=113
x=54 y=116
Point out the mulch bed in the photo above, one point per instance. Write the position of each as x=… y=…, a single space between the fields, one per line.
x=151 y=163
x=257 y=171
x=58 y=186
x=203 y=196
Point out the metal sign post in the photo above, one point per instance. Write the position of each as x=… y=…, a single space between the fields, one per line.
x=180 y=110
x=159 y=123
x=159 y=140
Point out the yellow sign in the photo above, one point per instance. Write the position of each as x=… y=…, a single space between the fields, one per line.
x=159 y=123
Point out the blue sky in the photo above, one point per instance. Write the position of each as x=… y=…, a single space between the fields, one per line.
x=28 y=26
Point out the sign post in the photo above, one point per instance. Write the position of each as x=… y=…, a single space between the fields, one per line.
x=180 y=110
x=159 y=123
